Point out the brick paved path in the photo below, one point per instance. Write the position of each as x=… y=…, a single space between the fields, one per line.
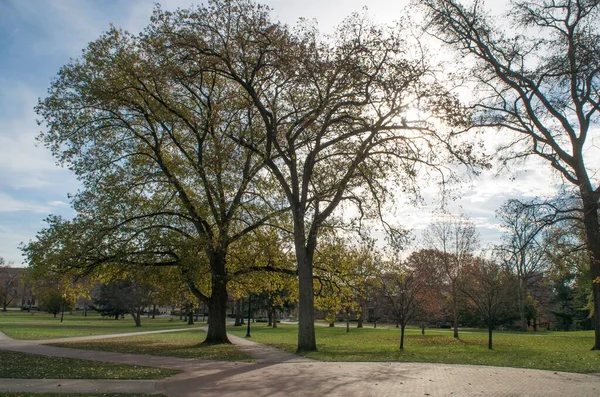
x=277 y=373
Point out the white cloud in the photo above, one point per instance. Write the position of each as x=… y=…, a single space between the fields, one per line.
x=10 y=204
x=25 y=163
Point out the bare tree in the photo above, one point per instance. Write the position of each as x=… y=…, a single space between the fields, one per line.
x=490 y=288
x=456 y=239
x=524 y=247
x=539 y=85
x=402 y=287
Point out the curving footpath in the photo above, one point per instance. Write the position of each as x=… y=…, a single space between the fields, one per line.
x=278 y=373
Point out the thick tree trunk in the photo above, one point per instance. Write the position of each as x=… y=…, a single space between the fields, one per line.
x=217 y=303
x=331 y=324
x=360 y=322
x=306 y=315
x=490 y=329
x=402 y=326
x=592 y=233
x=269 y=317
x=137 y=318
x=275 y=318
x=153 y=311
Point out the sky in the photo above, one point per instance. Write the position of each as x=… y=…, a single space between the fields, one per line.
x=37 y=37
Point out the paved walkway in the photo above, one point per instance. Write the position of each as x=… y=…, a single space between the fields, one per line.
x=277 y=373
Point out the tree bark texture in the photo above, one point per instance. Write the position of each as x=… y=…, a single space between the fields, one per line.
x=217 y=303
x=592 y=233
x=306 y=315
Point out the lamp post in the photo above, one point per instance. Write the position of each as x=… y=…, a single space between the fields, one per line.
x=248 y=335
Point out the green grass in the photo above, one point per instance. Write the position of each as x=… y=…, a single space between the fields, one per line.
x=24 y=394
x=32 y=366
x=557 y=351
x=40 y=325
x=178 y=344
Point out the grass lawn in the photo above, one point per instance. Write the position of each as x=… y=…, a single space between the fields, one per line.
x=557 y=351
x=40 y=325
x=32 y=366
x=177 y=344
x=23 y=394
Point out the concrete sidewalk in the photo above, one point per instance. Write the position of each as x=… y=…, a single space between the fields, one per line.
x=278 y=373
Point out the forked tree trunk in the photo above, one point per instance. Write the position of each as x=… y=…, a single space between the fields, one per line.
x=137 y=318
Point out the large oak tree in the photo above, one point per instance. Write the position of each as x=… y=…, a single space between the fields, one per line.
x=162 y=183
x=335 y=112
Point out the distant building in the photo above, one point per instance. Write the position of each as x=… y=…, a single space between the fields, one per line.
x=14 y=291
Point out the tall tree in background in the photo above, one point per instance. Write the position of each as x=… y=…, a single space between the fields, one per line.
x=428 y=265
x=524 y=248
x=542 y=85
x=404 y=288
x=342 y=270
x=490 y=288
x=455 y=239
x=333 y=112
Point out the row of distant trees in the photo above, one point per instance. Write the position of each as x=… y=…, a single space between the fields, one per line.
x=232 y=148
x=536 y=274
